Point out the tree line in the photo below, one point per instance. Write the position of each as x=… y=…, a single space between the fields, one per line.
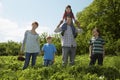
x=103 y=14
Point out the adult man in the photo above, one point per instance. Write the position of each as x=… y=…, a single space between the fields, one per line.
x=68 y=35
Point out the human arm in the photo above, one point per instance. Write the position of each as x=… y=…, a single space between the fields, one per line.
x=103 y=43
x=55 y=50
x=38 y=40
x=103 y=51
x=90 y=51
x=58 y=29
x=54 y=58
x=64 y=15
x=73 y=17
x=79 y=30
x=23 y=44
x=43 y=50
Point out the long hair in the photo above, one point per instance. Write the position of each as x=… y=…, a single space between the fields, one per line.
x=68 y=6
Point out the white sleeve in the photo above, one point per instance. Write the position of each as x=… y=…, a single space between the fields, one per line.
x=58 y=30
x=24 y=41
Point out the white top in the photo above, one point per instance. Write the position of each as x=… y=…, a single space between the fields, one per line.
x=31 y=43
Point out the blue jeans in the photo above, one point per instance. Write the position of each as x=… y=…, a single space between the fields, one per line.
x=27 y=59
x=68 y=51
x=47 y=62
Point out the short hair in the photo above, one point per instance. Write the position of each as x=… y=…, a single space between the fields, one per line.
x=35 y=23
x=98 y=30
x=48 y=37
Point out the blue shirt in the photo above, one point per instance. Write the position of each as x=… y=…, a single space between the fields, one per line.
x=49 y=51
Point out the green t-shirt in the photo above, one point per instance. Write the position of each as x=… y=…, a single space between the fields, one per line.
x=97 y=45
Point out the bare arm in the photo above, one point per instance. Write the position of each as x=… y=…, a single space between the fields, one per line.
x=73 y=17
x=79 y=30
x=39 y=43
x=58 y=29
x=24 y=41
x=54 y=58
x=103 y=51
x=90 y=50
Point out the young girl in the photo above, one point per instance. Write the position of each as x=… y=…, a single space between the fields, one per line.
x=68 y=12
x=31 y=45
x=96 y=48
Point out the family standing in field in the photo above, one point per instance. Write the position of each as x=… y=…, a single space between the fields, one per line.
x=69 y=32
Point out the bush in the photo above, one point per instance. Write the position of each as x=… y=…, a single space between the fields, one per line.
x=11 y=69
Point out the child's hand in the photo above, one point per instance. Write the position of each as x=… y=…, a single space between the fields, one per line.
x=61 y=21
x=42 y=53
x=90 y=56
x=77 y=23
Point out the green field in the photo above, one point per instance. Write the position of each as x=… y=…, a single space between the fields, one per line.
x=11 y=69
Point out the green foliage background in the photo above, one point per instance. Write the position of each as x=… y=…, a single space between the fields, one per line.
x=11 y=69
x=104 y=14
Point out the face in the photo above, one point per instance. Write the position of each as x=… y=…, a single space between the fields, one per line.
x=34 y=26
x=49 y=40
x=95 y=33
x=68 y=10
x=69 y=20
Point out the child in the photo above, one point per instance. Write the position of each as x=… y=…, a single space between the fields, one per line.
x=31 y=45
x=96 y=48
x=68 y=12
x=49 y=52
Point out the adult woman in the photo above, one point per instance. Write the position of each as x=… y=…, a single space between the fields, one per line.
x=31 y=45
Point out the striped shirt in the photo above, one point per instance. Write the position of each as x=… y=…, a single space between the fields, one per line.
x=97 y=45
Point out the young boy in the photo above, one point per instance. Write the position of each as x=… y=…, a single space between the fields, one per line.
x=49 y=51
x=96 y=48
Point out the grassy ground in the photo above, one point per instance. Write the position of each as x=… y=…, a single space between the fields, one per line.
x=11 y=69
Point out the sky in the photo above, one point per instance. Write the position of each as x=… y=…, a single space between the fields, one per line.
x=16 y=16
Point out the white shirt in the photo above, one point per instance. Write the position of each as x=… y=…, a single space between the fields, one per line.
x=31 y=43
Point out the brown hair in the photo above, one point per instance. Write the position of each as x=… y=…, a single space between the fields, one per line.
x=35 y=23
x=48 y=37
x=97 y=30
x=68 y=6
